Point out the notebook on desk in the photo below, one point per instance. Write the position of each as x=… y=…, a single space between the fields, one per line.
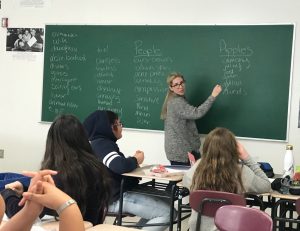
x=176 y=168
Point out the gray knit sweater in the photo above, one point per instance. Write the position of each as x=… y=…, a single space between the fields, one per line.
x=181 y=134
x=253 y=178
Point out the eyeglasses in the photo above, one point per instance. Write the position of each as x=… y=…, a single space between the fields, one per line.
x=177 y=85
x=118 y=124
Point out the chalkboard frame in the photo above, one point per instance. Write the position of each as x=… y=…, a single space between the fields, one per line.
x=240 y=25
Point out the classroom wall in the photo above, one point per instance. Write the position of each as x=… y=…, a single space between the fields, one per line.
x=22 y=136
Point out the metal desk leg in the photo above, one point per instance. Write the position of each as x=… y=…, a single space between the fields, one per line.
x=274 y=213
x=282 y=212
x=173 y=189
x=179 y=211
x=272 y=216
x=119 y=222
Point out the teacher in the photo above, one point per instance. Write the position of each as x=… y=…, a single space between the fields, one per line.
x=181 y=134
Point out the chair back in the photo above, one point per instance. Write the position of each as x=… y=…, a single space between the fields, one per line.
x=236 y=218
x=206 y=202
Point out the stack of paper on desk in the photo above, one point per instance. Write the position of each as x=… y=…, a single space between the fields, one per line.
x=168 y=170
x=177 y=168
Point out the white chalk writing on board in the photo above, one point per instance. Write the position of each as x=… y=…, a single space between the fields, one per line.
x=150 y=65
x=63 y=83
x=108 y=96
x=235 y=60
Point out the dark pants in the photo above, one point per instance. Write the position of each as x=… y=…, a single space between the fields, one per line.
x=180 y=163
x=196 y=154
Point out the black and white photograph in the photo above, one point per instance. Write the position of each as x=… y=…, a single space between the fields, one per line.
x=25 y=39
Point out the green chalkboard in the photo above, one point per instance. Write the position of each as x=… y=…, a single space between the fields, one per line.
x=124 y=69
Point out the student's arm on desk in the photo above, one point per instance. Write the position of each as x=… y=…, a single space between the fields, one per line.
x=188 y=176
x=120 y=164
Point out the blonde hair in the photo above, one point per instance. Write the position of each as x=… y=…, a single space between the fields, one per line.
x=219 y=168
x=170 y=93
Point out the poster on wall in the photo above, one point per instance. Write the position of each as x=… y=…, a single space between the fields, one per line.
x=33 y=3
x=25 y=39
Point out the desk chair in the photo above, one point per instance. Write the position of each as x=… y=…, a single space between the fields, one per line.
x=116 y=216
x=257 y=200
x=236 y=218
x=283 y=214
x=298 y=206
x=286 y=214
x=206 y=202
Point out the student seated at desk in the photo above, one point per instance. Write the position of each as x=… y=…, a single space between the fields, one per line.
x=220 y=169
x=81 y=175
x=104 y=129
x=42 y=192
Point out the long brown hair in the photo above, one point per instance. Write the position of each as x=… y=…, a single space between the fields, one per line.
x=219 y=168
x=170 y=93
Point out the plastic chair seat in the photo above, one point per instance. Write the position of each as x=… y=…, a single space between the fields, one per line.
x=207 y=202
x=236 y=218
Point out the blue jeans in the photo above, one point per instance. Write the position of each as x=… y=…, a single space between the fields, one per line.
x=151 y=209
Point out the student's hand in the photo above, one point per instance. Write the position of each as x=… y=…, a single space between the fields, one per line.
x=16 y=186
x=243 y=154
x=216 y=91
x=43 y=175
x=52 y=197
x=31 y=206
x=24 y=219
x=139 y=155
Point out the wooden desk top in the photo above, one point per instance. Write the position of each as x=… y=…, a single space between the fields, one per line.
x=179 y=184
x=272 y=194
x=144 y=172
x=284 y=196
x=108 y=227
x=54 y=225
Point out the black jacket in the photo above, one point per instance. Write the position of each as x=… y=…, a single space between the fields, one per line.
x=104 y=145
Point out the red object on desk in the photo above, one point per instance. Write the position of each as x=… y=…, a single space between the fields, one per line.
x=159 y=169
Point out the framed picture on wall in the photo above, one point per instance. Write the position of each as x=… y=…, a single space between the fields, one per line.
x=25 y=39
